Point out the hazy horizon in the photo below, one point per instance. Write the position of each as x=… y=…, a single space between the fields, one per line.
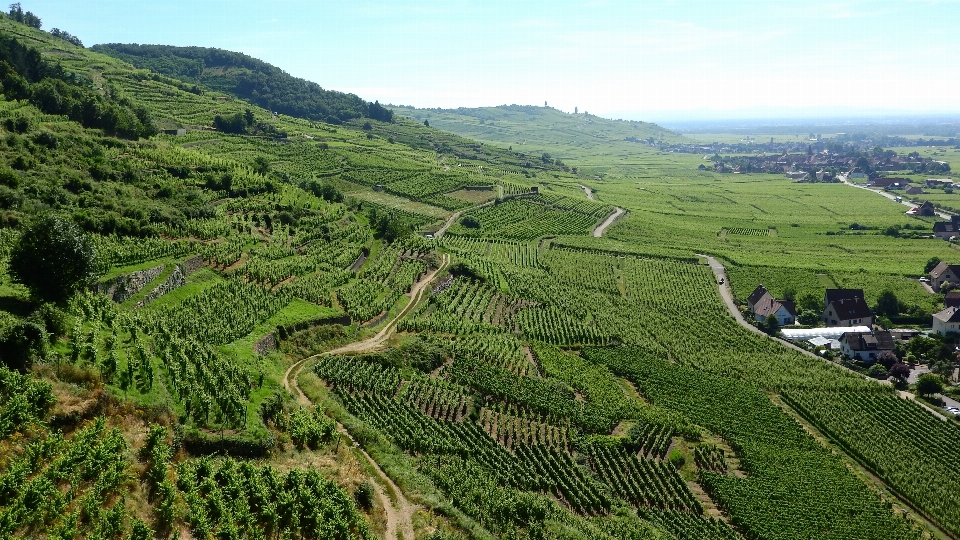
x=669 y=61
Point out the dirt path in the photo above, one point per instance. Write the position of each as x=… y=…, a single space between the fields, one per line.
x=598 y=232
x=450 y=221
x=453 y=219
x=400 y=511
x=588 y=191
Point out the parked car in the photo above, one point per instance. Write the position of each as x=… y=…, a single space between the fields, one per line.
x=924 y=280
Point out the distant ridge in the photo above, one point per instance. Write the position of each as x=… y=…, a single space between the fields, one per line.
x=247 y=78
x=540 y=128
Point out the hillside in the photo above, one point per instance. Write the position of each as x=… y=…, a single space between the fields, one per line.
x=247 y=78
x=292 y=328
x=582 y=139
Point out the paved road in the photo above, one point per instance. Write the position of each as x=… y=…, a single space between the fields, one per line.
x=727 y=294
x=588 y=191
x=598 y=232
x=890 y=196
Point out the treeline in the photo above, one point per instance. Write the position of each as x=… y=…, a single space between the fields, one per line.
x=25 y=17
x=25 y=75
x=248 y=78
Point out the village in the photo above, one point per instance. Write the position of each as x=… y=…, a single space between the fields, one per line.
x=849 y=331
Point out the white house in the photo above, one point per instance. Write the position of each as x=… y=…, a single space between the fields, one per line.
x=783 y=310
x=947 y=321
x=865 y=345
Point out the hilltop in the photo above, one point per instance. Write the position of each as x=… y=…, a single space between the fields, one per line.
x=580 y=139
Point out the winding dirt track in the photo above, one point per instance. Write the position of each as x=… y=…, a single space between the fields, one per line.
x=400 y=511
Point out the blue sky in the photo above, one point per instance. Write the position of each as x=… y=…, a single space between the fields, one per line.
x=632 y=59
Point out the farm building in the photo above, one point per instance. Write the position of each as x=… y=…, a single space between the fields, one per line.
x=951 y=299
x=856 y=173
x=865 y=345
x=947 y=229
x=944 y=273
x=888 y=183
x=926 y=209
x=783 y=310
x=846 y=307
x=946 y=321
x=762 y=304
x=757 y=296
x=834 y=332
x=914 y=190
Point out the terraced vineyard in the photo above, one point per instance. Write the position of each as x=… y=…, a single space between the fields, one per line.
x=545 y=384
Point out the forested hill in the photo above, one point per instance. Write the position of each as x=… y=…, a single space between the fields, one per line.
x=246 y=77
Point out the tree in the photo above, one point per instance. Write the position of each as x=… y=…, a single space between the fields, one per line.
x=426 y=123
x=261 y=165
x=886 y=359
x=772 y=324
x=21 y=344
x=887 y=304
x=53 y=259
x=808 y=317
x=900 y=372
x=877 y=371
x=248 y=117
x=810 y=302
x=931 y=264
x=929 y=384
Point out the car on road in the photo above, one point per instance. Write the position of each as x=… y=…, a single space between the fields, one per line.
x=924 y=280
x=952 y=410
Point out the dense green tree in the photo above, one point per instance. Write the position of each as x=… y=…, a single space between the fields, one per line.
x=379 y=112
x=236 y=123
x=261 y=165
x=21 y=344
x=810 y=302
x=808 y=317
x=929 y=384
x=887 y=304
x=54 y=259
x=931 y=264
x=772 y=324
x=877 y=371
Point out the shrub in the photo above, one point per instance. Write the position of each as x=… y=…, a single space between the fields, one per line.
x=54 y=259
x=677 y=458
x=363 y=495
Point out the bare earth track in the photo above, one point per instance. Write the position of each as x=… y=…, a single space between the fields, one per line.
x=400 y=511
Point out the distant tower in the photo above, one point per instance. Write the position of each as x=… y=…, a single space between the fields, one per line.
x=544 y=104
x=575 y=111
